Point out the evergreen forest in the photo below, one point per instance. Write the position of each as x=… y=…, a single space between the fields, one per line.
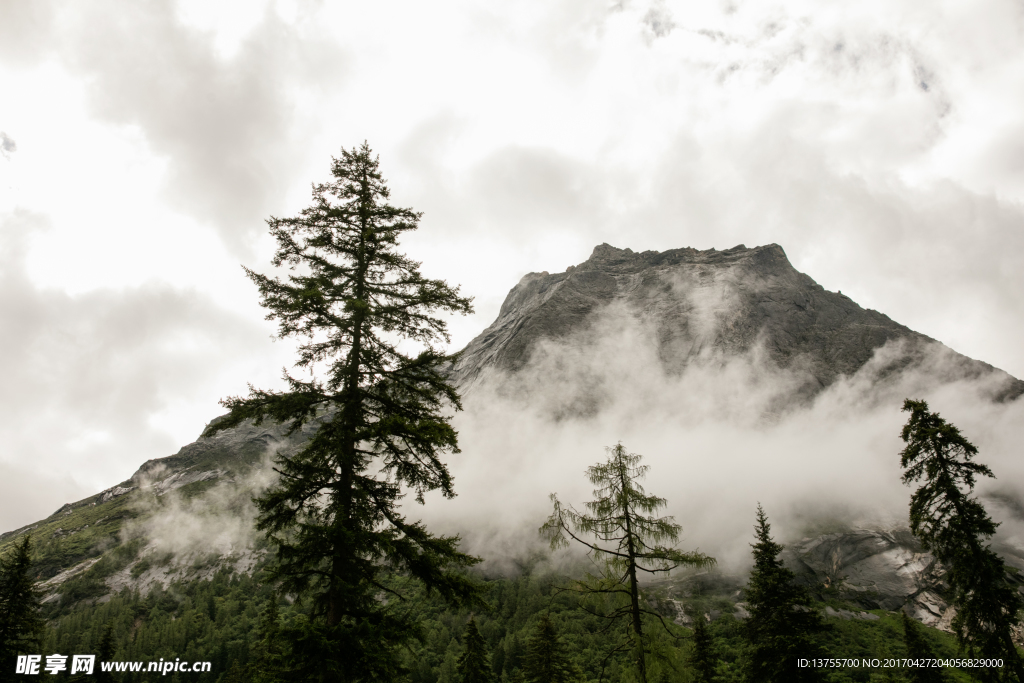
x=222 y=620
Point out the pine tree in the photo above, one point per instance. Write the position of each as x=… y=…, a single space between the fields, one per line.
x=20 y=623
x=954 y=526
x=621 y=515
x=780 y=626
x=703 y=657
x=265 y=661
x=380 y=410
x=918 y=647
x=546 y=660
x=236 y=673
x=474 y=666
x=105 y=653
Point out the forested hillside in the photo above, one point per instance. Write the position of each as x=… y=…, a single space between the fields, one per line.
x=219 y=620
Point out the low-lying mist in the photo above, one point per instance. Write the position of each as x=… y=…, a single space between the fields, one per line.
x=217 y=522
x=722 y=435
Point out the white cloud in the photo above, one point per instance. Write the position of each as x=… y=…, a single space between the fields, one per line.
x=89 y=379
x=878 y=143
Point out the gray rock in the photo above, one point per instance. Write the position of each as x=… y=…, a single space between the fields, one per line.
x=847 y=614
x=112 y=493
x=698 y=301
x=878 y=569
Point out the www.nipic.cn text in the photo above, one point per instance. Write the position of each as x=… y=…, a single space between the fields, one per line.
x=85 y=664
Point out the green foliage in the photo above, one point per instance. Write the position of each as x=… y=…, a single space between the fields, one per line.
x=918 y=647
x=855 y=639
x=105 y=653
x=622 y=514
x=20 y=624
x=954 y=526
x=546 y=659
x=172 y=622
x=352 y=298
x=76 y=533
x=781 y=626
x=140 y=567
x=267 y=665
x=227 y=618
x=235 y=674
x=474 y=666
x=703 y=657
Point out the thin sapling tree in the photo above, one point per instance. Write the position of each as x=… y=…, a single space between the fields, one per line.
x=620 y=528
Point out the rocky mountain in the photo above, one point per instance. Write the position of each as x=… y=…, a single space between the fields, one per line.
x=179 y=517
x=704 y=303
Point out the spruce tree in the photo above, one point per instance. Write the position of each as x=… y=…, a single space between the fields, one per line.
x=265 y=665
x=954 y=527
x=105 y=653
x=703 y=657
x=919 y=648
x=546 y=660
x=474 y=666
x=622 y=516
x=236 y=673
x=20 y=624
x=380 y=400
x=780 y=627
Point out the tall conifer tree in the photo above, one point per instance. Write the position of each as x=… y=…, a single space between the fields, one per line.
x=546 y=660
x=265 y=661
x=358 y=306
x=105 y=653
x=703 y=657
x=919 y=648
x=622 y=518
x=20 y=623
x=780 y=628
x=474 y=666
x=954 y=526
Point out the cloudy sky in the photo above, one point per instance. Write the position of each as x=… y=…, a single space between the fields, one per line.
x=142 y=146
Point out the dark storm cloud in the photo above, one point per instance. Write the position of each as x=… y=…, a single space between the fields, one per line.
x=226 y=125
x=85 y=375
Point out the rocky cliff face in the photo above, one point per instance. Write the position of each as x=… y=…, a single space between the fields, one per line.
x=703 y=303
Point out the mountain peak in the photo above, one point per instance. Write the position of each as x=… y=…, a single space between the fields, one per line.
x=700 y=303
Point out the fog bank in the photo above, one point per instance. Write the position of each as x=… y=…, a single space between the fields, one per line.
x=720 y=436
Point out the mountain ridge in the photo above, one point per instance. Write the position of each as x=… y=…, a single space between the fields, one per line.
x=739 y=297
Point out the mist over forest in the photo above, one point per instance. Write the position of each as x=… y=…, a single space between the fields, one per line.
x=714 y=435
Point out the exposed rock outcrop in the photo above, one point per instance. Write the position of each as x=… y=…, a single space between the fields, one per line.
x=881 y=570
x=697 y=302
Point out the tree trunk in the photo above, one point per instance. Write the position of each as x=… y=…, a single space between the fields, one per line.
x=350 y=417
x=634 y=588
